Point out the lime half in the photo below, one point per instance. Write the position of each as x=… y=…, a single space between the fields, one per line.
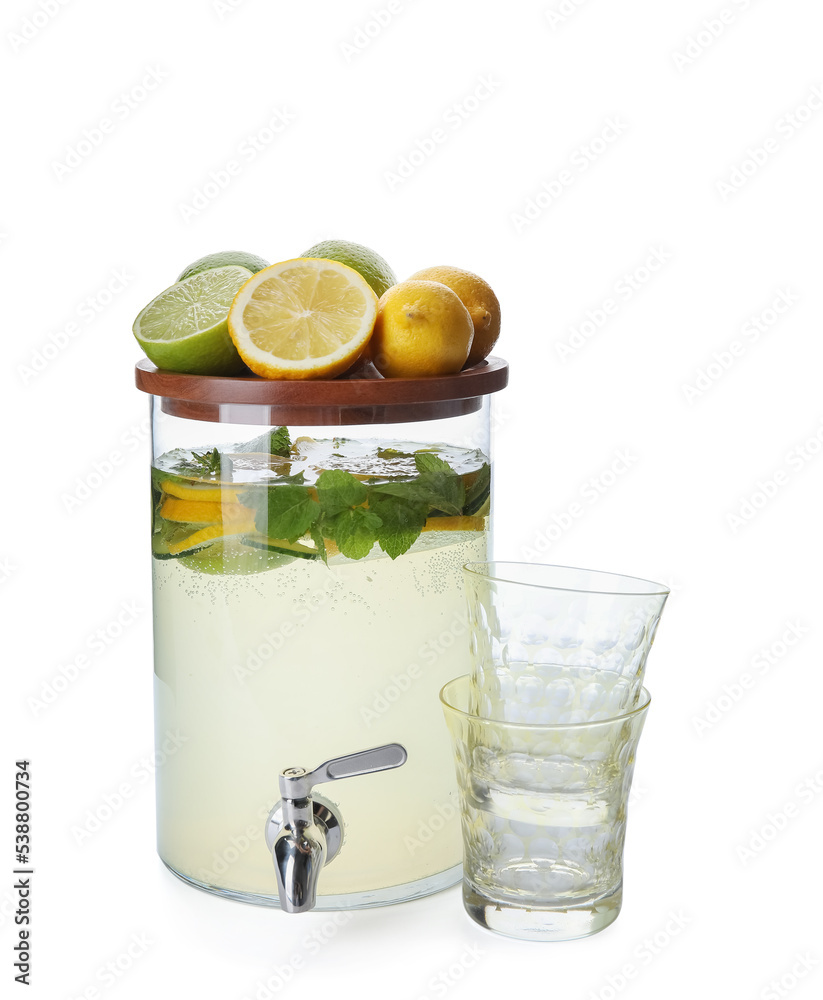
x=366 y=262
x=224 y=258
x=184 y=329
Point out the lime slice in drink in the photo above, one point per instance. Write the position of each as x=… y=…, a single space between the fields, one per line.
x=185 y=328
x=377 y=271
x=224 y=258
x=281 y=546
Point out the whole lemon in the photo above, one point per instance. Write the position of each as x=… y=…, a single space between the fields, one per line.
x=478 y=297
x=422 y=329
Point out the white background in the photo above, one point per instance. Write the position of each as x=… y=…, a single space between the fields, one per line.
x=690 y=114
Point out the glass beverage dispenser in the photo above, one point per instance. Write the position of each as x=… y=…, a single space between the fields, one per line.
x=308 y=540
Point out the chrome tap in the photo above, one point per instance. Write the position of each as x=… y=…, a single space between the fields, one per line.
x=305 y=834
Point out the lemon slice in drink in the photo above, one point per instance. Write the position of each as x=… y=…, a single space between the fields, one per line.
x=184 y=329
x=302 y=319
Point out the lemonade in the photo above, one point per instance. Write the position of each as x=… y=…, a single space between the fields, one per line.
x=309 y=603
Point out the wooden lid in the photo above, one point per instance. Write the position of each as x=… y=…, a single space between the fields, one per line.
x=352 y=400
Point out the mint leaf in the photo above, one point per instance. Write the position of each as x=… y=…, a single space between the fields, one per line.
x=438 y=485
x=290 y=513
x=443 y=491
x=354 y=530
x=280 y=443
x=447 y=490
x=426 y=461
x=171 y=531
x=257 y=497
x=208 y=463
x=402 y=522
x=273 y=442
x=319 y=541
x=478 y=492
x=338 y=490
x=409 y=490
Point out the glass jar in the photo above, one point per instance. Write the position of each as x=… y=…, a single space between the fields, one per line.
x=307 y=542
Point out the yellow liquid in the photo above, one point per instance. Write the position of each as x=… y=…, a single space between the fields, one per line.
x=290 y=667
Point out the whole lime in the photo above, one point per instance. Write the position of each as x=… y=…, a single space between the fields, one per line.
x=366 y=262
x=224 y=258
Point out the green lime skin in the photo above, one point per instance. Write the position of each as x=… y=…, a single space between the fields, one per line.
x=377 y=271
x=224 y=258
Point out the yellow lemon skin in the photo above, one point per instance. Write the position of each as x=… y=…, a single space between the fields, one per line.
x=422 y=329
x=478 y=297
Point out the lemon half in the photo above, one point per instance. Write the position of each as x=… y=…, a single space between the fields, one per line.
x=302 y=319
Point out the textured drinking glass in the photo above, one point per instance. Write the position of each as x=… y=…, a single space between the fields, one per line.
x=543 y=813
x=554 y=644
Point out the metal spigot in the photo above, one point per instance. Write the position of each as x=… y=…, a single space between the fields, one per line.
x=305 y=834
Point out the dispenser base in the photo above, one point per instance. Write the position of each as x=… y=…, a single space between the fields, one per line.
x=345 y=901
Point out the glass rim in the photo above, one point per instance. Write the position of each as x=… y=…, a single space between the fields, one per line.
x=644 y=700
x=473 y=568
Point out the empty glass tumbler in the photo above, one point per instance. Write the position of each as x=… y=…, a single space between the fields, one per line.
x=555 y=644
x=543 y=811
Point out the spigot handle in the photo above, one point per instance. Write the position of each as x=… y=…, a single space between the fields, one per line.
x=297 y=783
x=304 y=835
